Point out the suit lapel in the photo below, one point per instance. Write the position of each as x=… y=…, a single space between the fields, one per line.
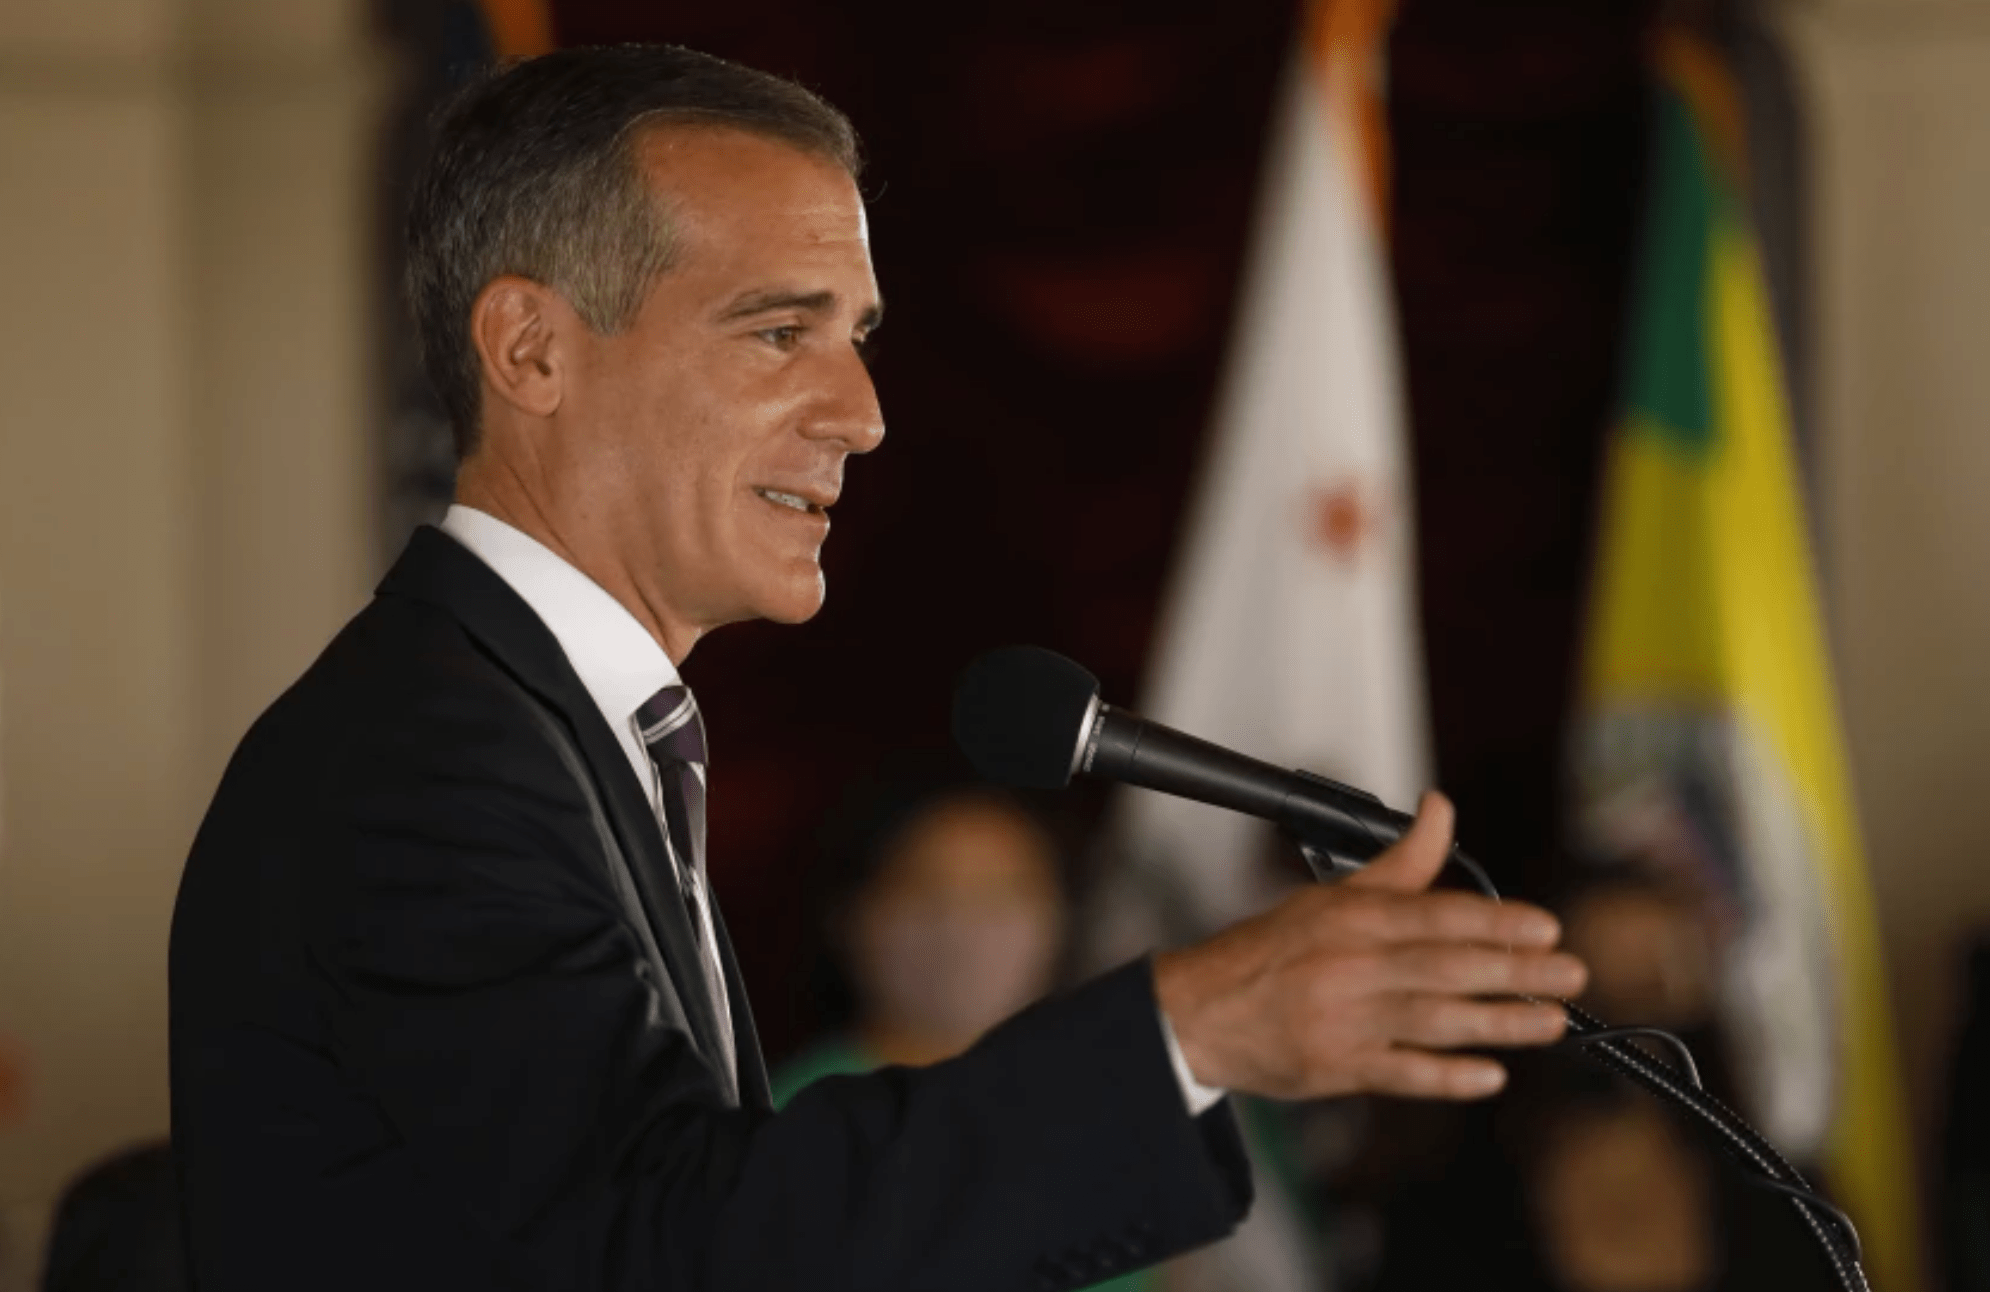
x=641 y=836
x=437 y=569
x=754 y=1090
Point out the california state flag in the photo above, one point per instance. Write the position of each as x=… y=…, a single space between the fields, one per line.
x=1290 y=630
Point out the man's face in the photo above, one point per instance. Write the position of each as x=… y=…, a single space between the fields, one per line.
x=705 y=442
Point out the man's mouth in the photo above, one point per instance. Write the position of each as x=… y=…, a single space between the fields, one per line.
x=794 y=502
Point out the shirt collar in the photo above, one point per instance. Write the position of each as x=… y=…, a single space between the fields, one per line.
x=617 y=660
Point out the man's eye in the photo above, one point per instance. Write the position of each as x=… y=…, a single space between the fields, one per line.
x=785 y=337
x=867 y=347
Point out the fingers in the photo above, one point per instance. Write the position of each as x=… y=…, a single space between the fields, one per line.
x=1414 y=860
x=1418 y=1074
x=1483 y=971
x=1412 y=1068
x=1443 y=917
x=1450 y=1022
x=1369 y=985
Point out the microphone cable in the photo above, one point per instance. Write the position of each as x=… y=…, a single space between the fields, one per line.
x=1679 y=1083
x=1027 y=716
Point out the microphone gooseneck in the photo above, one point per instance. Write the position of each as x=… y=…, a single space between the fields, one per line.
x=1340 y=820
x=1029 y=717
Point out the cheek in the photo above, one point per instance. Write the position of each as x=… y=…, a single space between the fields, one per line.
x=679 y=466
x=706 y=432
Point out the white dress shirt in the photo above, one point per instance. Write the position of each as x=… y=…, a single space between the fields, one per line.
x=621 y=666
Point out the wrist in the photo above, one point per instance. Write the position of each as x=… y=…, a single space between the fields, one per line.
x=1177 y=992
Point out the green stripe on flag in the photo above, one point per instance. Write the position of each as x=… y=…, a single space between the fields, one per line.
x=1708 y=749
x=1666 y=385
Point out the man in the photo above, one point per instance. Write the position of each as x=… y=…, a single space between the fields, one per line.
x=452 y=1006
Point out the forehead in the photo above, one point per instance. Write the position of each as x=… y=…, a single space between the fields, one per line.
x=738 y=195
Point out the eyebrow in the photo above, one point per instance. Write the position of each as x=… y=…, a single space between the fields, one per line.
x=766 y=302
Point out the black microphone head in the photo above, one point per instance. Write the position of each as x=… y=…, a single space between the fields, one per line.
x=1019 y=713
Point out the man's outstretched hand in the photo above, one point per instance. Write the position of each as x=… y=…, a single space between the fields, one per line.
x=1361 y=987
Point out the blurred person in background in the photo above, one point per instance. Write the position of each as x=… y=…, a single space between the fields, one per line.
x=945 y=910
x=1621 y=1192
x=1577 y=1181
x=117 y=1228
x=944 y=914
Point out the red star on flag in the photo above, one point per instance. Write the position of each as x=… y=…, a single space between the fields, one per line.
x=1342 y=520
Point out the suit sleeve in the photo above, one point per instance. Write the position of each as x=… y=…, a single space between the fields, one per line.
x=485 y=992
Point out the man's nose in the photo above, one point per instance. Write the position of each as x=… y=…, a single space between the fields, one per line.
x=849 y=412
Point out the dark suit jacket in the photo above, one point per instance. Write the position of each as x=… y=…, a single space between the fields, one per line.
x=436 y=1025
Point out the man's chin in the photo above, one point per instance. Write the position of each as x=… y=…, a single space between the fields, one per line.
x=796 y=603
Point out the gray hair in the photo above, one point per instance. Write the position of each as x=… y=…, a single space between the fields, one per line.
x=534 y=173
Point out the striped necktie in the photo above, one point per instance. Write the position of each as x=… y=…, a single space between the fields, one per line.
x=674 y=734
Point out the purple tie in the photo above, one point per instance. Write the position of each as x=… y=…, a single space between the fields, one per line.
x=674 y=734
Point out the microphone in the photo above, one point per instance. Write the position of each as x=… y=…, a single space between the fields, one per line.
x=1028 y=717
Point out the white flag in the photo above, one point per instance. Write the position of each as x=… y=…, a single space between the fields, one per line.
x=1290 y=632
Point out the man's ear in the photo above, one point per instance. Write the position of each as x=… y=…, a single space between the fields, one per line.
x=520 y=329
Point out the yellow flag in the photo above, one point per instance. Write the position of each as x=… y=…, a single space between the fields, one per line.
x=1709 y=740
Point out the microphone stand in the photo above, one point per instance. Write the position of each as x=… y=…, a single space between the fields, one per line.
x=1676 y=1083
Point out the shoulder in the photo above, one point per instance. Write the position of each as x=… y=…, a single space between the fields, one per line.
x=402 y=676
x=403 y=719
x=443 y=801
x=838 y=1056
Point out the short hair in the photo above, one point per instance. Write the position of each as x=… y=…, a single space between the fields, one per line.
x=875 y=816
x=534 y=172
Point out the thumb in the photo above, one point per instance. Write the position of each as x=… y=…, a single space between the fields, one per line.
x=1413 y=861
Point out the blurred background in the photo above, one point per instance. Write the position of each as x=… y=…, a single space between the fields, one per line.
x=1111 y=236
